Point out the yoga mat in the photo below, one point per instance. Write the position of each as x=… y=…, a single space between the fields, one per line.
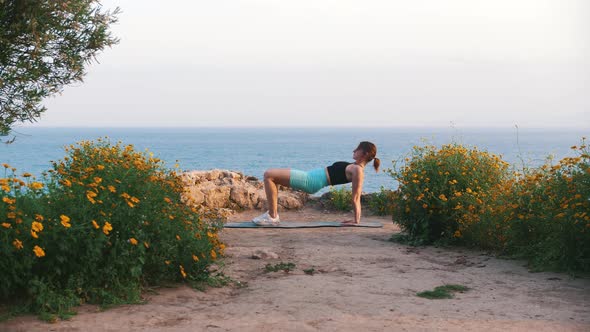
x=299 y=224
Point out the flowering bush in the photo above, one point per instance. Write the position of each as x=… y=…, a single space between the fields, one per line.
x=469 y=197
x=443 y=191
x=105 y=221
x=550 y=214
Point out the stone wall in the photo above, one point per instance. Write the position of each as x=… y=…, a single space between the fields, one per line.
x=224 y=189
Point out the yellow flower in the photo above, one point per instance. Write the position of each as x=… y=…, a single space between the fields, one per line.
x=95 y=225
x=6 y=188
x=133 y=241
x=135 y=199
x=11 y=215
x=36 y=185
x=167 y=262
x=37 y=226
x=167 y=200
x=39 y=217
x=17 y=244
x=38 y=251
x=107 y=228
x=6 y=225
x=100 y=167
x=131 y=205
x=213 y=254
x=97 y=179
x=66 y=183
x=8 y=200
x=195 y=258
x=457 y=234
x=146 y=245
x=34 y=234
x=112 y=189
x=27 y=175
x=443 y=197
x=178 y=237
x=90 y=196
x=182 y=271
x=65 y=221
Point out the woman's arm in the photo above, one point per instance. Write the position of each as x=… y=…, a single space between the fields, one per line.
x=357 y=190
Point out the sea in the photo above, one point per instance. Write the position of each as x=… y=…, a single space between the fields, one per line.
x=253 y=150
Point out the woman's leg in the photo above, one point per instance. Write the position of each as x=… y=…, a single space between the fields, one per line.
x=273 y=177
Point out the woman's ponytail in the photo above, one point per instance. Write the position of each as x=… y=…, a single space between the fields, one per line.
x=376 y=164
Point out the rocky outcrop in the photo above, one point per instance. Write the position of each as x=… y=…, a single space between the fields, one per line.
x=223 y=189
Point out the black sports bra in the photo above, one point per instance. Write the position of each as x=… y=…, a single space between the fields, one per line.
x=337 y=173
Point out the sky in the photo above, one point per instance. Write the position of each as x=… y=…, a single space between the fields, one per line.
x=337 y=63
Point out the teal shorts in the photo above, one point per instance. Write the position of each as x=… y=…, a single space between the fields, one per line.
x=310 y=182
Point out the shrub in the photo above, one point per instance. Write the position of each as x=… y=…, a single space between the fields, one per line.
x=105 y=221
x=443 y=191
x=466 y=196
x=550 y=221
x=381 y=203
x=341 y=198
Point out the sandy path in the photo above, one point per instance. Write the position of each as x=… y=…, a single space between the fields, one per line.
x=363 y=282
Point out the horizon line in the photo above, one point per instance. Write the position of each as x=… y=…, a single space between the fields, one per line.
x=515 y=126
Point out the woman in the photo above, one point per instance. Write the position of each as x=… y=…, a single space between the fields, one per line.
x=311 y=182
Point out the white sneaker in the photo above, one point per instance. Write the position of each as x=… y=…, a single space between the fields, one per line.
x=266 y=219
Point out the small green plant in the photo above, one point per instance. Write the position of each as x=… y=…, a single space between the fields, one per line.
x=286 y=267
x=309 y=271
x=443 y=292
x=216 y=281
x=381 y=203
x=341 y=198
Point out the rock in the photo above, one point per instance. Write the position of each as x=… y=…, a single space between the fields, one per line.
x=217 y=197
x=213 y=175
x=196 y=196
x=264 y=254
x=291 y=202
x=245 y=198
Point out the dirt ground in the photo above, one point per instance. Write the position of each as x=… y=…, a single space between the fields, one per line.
x=361 y=282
